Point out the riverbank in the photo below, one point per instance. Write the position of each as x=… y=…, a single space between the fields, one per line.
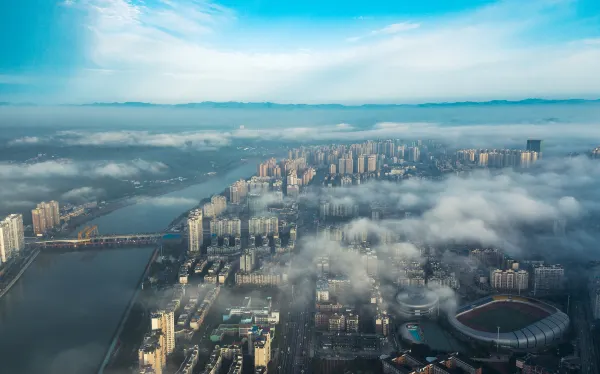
x=125 y=317
x=126 y=201
x=20 y=273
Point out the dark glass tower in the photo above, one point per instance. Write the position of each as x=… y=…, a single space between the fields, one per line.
x=534 y=145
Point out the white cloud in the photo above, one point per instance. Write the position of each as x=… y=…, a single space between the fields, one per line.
x=479 y=54
x=575 y=136
x=486 y=208
x=82 y=194
x=125 y=170
x=169 y=201
x=396 y=28
x=53 y=169
x=25 y=140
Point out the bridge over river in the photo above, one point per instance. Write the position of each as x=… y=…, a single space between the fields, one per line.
x=102 y=241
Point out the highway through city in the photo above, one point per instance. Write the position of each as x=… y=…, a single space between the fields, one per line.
x=581 y=322
x=294 y=355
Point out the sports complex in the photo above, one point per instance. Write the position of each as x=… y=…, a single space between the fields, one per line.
x=511 y=321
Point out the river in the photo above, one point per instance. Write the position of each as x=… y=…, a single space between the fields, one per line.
x=61 y=315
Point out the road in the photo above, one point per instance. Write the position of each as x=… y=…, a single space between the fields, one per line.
x=580 y=317
x=294 y=350
x=294 y=355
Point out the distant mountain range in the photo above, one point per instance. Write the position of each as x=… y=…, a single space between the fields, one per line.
x=267 y=105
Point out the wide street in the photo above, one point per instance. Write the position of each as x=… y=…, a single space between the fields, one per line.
x=581 y=324
x=294 y=350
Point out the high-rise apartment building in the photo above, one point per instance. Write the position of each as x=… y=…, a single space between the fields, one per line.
x=548 y=277
x=217 y=205
x=238 y=191
x=414 y=154
x=371 y=163
x=152 y=354
x=534 y=145
x=164 y=320
x=45 y=216
x=360 y=164
x=256 y=203
x=222 y=227
x=337 y=209
x=337 y=322
x=12 y=238
x=263 y=225
x=382 y=324
x=352 y=323
x=262 y=350
x=195 y=231
x=509 y=280
x=248 y=261
x=332 y=169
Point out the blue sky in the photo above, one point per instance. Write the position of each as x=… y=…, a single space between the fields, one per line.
x=171 y=51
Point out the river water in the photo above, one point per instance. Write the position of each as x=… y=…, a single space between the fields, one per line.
x=61 y=315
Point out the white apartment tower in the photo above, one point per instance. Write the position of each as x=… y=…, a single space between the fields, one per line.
x=152 y=355
x=509 y=280
x=262 y=350
x=248 y=261
x=164 y=320
x=12 y=238
x=195 y=231
x=263 y=226
x=225 y=227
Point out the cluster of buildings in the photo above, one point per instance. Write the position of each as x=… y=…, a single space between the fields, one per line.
x=507 y=275
x=159 y=342
x=498 y=158
x=46 y=216
x=227 y=355
x=69 y=211
x=339 y=209
x=247 y=325
x=195 y=311
x=12 y=237
x=410 y=363
x=166 y=330
x=217 y=205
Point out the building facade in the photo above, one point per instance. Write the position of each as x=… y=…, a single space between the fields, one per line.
x=195 y=231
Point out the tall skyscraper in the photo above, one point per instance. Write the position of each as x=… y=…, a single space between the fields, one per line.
x=248 y=261
x=152 y=355
x=548 y=277
x=360 y=164
x=39 y=221
x=225 y=227
x=262 y=350
x=195 y=231
x=45 y=216
x=263 y=226
x=371 y=163
x=12 y=238
x=534 y=145
x=164 y=320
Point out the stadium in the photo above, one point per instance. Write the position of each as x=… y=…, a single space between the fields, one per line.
x=511 y=321
x=417 y=302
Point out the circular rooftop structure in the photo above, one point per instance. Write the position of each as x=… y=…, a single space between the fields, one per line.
x=511 y=321
x=417 y=302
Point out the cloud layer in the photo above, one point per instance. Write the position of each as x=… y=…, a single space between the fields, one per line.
x=169 y=53
x=510 y=210
x=560 y=137
x=67 y=168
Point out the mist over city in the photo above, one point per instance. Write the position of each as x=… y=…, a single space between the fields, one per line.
x=253 y=187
